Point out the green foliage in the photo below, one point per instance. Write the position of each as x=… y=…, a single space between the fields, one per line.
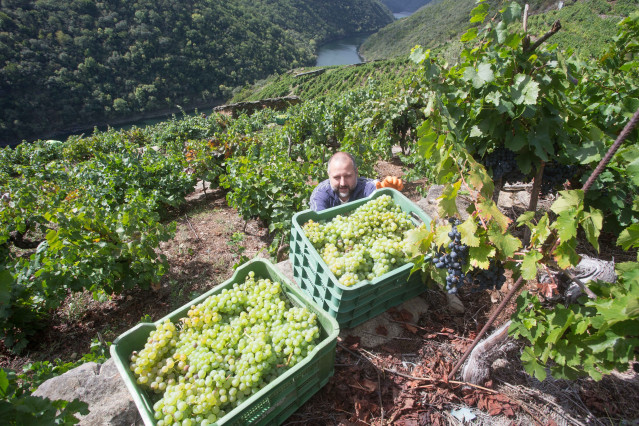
x=432 y=26
x=38 y=372
x=540 y=105
x=593 y=337
x=94 y=224
x=272 y=189
x=19 y=407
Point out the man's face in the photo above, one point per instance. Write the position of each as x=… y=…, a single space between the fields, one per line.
x=343 y=177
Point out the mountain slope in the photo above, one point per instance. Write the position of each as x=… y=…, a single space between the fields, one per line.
x=587 y=25
x=77 y=63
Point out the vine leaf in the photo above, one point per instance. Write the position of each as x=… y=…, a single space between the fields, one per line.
x=469 y=35
x=559 y=320
x=480 y=256
x=565 y=254
x=540 y=141
x=524 y=90
x=629 y=237
x=566 y=224
x=633 y=171
x=505 y=243
x=513 y=40
x=418 y=55
x=441 y=235
x=592 y=224
x=568 y=353
x=468 y=229
x=529 y=265
x=427 y=139
x=447 y=203
x=479 y=180
x=511 y=12
x=531 y=365
x=489 y=210
x=418 y=240
x=539 y=232
x=478 y=14
x=484 y=74
x=568 y=200
x=526 y=219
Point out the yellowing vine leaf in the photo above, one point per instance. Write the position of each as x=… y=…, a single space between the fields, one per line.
x=441 y=235
x=418 y=240
x=468 y=229
x=479 y=180
x=447 y=201
x=480 y=256
x=489 y=210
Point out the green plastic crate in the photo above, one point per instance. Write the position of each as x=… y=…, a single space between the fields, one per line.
x=351 y=306
x=274 y=403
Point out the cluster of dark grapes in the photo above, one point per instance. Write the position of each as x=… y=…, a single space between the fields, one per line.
x=504 y=166
x=491 y=278
x=453 y=259
x=555 y=175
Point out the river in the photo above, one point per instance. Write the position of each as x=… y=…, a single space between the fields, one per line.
x=344 y=50
x=341 y=52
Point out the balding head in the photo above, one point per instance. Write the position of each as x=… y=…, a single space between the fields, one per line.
x=344 y=158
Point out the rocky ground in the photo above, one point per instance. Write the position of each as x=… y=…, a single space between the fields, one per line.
x=390 y=370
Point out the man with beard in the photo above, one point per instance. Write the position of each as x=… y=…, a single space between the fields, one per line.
x=343 y=184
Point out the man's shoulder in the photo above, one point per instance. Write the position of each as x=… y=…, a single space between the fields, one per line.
x=366 y=185
x=324 y=185
x=365 y=181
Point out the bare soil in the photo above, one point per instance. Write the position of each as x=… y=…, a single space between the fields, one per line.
x=398 y=383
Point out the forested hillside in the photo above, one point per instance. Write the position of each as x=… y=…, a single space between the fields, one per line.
x=590 y=24
x=73 y=64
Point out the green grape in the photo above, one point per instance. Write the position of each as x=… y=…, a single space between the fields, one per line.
x=364 y=245
x=226 y=348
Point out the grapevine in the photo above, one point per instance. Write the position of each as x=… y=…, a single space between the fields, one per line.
x=454 y=260
x=226 y=349
x=503 y=78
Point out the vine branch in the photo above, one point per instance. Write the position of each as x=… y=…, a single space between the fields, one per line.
x=615 y=146
x=531 y=48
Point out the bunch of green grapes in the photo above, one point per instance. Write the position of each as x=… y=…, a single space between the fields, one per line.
x=226 y=349
x=364 y=245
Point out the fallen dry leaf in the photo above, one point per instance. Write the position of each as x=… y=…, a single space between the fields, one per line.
x=406 y=315
x=410 y=328
x=548 y=290
x=369 y=385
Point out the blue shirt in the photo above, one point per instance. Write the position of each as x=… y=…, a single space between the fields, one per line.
x=323 y=196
